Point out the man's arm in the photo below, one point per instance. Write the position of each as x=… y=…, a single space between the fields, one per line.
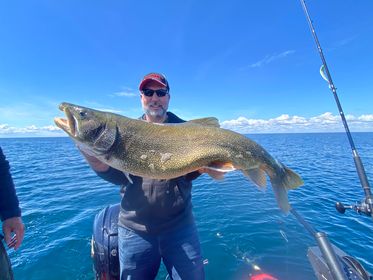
x=217 y=175
x=117 y=177
x=10 y=213
x=104 y=171
x=95 y=163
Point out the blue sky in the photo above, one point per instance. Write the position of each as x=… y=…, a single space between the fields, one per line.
x=251 y=64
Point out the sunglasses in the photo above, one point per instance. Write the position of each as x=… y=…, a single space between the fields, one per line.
x=150 y=92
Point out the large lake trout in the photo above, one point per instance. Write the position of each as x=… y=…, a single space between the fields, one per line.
x=164 y=151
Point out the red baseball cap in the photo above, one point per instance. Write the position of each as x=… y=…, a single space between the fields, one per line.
x=156 y=77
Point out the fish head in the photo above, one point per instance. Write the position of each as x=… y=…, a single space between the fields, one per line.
x=91 y=128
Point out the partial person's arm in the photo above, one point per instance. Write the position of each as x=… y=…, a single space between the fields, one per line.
x=105 y=171
x=217 y=175
x=10 y=213
x=117 y=177
x=95 y=163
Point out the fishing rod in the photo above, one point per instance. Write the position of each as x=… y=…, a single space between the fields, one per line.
x=365 y=206
x=327 y=260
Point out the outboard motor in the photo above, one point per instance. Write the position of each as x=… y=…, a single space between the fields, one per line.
x=351 y=267
x=6 y=272
x=104 y=244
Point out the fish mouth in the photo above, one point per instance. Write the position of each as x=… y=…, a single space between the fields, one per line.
x=69 y=125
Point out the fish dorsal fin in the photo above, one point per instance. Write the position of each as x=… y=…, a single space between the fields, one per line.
x=211 y=121
x=256 y=175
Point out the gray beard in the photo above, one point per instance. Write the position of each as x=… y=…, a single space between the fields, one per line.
x=157 y=113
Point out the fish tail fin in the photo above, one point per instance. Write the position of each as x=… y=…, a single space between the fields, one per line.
x=282 y=183
x=292 y=180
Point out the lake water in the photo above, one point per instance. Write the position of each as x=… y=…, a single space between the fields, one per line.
x=240 y=227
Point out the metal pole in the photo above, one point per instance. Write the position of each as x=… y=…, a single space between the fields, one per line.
x=325 y=248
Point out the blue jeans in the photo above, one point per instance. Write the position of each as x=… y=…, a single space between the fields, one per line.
x=140 y=254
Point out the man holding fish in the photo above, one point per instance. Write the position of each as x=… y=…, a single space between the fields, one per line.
x=156 y=159
x=156 y=220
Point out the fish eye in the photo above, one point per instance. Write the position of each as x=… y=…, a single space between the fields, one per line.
x=82 y=113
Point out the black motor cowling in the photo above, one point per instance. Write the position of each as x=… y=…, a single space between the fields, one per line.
x=6 y=272
x=104 y=245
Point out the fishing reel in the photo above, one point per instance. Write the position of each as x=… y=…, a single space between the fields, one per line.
x=361 y=208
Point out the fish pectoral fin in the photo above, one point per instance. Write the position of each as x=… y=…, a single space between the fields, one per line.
x=257 y=176
x=84 y=148
x=214 y=122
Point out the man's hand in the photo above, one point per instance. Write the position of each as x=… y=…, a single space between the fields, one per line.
x=13 y=225
x=217 y=175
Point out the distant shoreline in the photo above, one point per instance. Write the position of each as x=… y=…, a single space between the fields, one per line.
x=256 y=133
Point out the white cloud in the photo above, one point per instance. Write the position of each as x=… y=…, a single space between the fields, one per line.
x=326 y=122
x=270 y=58
x=125 y=92
x=31 y=130
x=109 y=110
x=342 y=43
x=285 y=123
x=366 y=118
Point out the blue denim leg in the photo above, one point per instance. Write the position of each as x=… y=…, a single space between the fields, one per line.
x=181 y=253
x=139 y=255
